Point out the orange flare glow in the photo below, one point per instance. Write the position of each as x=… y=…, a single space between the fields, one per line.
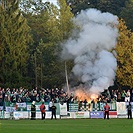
x=82 y=95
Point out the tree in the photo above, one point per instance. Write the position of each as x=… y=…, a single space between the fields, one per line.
x=48 y=66
x=65 y=20
x=46 y=35
x=77 y=5
x=50 y=27
x=14 y=40
x=127 y=14
x=112 y=6
x=124 y=56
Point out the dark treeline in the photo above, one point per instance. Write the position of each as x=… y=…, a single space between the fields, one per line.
x=121 y=8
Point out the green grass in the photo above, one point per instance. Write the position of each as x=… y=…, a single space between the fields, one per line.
x=67 y=126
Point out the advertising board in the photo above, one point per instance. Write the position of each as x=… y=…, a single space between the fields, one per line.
x=96 y=114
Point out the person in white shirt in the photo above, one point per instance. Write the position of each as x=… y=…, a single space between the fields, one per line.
x=127 y=98
x=50 y=105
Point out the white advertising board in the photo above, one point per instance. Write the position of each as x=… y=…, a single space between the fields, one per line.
x=121 y=110
x=63 y=109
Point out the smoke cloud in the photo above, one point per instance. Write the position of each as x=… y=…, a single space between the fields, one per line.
x=90 y=46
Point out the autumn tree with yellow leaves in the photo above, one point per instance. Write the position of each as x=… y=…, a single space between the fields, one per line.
x=124 y=55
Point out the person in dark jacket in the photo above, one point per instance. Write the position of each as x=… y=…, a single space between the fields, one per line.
x=33 y=111
x=129 y=110
x=53 y=109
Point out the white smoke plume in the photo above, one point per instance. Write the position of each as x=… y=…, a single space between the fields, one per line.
x=94 y=65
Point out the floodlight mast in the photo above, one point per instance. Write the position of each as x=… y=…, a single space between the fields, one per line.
x=67 y=83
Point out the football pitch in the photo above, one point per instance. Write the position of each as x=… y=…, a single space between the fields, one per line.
x=67 y=126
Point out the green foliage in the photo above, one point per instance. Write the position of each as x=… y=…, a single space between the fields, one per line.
x=112 y=6
x=127 y=14
x=14 y=39
x=122 y=8
x=124 y=56
x=65 y=20
x=78 y=5
x=49 y=27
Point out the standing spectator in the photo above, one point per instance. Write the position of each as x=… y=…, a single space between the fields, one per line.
x=119 y=97
x=50 y=105
x=115 y=95
x=1 y=103
x=37 y=98
x=43 y=111
x=127 y=98
x=80 y=105
x=106 y=111
x=112 y=94
x=85 y=104
x=131 y=96
x=14 y=97
x=129 y=110
x=123 y=96
x=33 y=111
x=108 y=94
x=53 y=108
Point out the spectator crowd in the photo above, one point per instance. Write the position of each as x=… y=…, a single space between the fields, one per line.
x=57 y=95
x=24 y=95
